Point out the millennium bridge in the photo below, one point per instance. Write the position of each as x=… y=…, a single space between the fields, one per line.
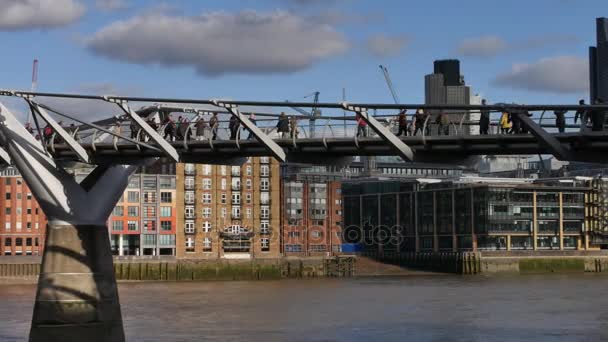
x=77 y=297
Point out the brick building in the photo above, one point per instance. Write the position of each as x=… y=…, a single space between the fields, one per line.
x=228 y=211
x=312 y=216
x=23 y=222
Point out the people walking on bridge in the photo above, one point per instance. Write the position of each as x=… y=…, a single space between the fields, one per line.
x=28 y=127
x=515 y=122
x=47 y=133
x=484 y=119
x=419 y=120
x=505 y=123
x=582 y=114
x=179 y=128
x=233 y=125
x=598 y=117
x=443 y=123
x=134 y=128
x=293 y=127
x=361 y=126
x=253 y=121
x=186 y=132
x=73 y=130
x=560 y=120
x=402 y=122
x=169 y=129
x=214 y=125
x=283 y=126
x=201 y=127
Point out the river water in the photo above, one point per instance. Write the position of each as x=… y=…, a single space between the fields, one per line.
x=417 y=308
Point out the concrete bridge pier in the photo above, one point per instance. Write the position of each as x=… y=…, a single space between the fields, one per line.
x=77 y=297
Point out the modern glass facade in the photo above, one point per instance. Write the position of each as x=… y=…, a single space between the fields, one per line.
x=457 y=217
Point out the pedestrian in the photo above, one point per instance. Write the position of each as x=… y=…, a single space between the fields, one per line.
x=201 y=127
x=484 y=119
x=598 y=116
x=443 y=124
x=293 y=127
x=169 y=129
x=47 y=133
x=185 y=130
x=419 y=120
x=28 y=127
x=214 y=125
x=582 y=114
x=179 y=129
x=233 y=125
x=253 y=121
x=402 y=121
x=361 y=126
x=505 y=123
x=283 y=125
x=73 y=131
x=134 y=128
x=515 y=122
x=560 y=120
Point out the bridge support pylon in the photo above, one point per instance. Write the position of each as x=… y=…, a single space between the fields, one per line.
x=77 y=296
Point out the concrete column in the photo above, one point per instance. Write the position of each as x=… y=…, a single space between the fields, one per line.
x=473 y=235
x=76 y=298
x=120 y=245
x=416 y=237
x=508 y=242
x=561 y=221
x=534 y=222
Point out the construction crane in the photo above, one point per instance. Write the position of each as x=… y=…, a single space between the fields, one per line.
x=313 y=114
x=387 y=77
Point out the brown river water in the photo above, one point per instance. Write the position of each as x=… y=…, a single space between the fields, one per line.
x=417 y=308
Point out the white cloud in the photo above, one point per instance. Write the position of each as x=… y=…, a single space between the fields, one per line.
x=563 y=74
x=38 y=14
x=111 y=5
x=219 y=42
x=382 y=45
x=490 y=46
x=486 y=46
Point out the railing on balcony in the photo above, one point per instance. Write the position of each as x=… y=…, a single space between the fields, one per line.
x=236 y=202
x=189 y=186
x=190 y=230
x=190 y=216
x=236 y=187
x=190 y=200
x=264 y=216
x=190 y=172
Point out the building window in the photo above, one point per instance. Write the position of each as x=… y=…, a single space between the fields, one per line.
x=118 y=211
x=149 y=225
x=132 y=225
x=207 y=244
x=248 y=213
x=248 y=170
x=264 y=160
x=167 y=183
x=264 y=198
x=35 y=242
x=236 y=171
x=189 y=182
x=206 y=198
x=223 y=213
x=265 y=212
x=150 y=197
x=28 y=196
x=7 y=181
x=236 y=212
x=264 y=227
x=264 y=170
x=28 y=225
x=224 y=182
x=206 y=212
x=206 y=184
x=189 y=244
x=236 y=184
x=248 y=198
x=28 y=242
x=18 y=195
x=18 y=225
x=189 y=212
x=165 y=211
x=166 y=197
x=166 y=240
x=149 y=211
x=223 y=198
x=223 y=170
x=264 y=184
x=248 y=184
x=18 y=242
x=189 y=227
x=133 y=211
x=317 y=234
x=236 y=198
x=117 y=225
x=206 y=170
x=165 y=226
x=7 y=225
x=8 y=195
x=206 y=226
x=293 y=234
x=293 y=248
x=8 y=242
x=7 y=211
x=189 y=197
x=265 y=243
x=28 y=211
x=189 y=169
x=133 y=196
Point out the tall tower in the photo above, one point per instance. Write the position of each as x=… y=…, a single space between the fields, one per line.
x=598 y=63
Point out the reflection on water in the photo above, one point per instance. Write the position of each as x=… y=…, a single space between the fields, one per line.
x=433 y=308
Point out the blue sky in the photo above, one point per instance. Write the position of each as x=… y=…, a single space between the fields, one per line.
x=510 y=51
